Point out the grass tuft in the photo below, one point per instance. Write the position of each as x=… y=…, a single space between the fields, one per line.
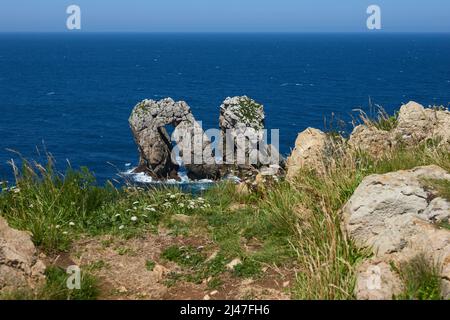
x=55 y=288
x=421 y=279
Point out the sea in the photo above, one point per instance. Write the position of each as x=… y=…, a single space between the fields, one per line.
x=70 y=94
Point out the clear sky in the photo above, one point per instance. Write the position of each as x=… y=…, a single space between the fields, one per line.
x=225 y=15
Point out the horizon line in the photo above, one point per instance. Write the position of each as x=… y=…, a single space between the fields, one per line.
x=225 y=32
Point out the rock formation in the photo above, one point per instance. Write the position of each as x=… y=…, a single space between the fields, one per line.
x=241 y=122
x=398 y=216
x=312 y=150
x=241 y=131
x=148 y=123
x=414 y=125
x=20 y=267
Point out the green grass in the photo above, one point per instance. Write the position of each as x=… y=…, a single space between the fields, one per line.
x=150 y=265
x=213 y=269
x=184 y=256
x=97 y=265
x=247 y=269
x=56 y=208
x=444 y=225
x=440 y=186
x=50 y=205
x=248 y=112
x=55 y=288
x=421 y=279
x=381 y=120
x=386 y=122
x=311 y=208
x=294 y=226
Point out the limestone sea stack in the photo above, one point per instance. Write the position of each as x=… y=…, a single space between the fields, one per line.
x=242 y=127
x=149 y=120
x=243 y=148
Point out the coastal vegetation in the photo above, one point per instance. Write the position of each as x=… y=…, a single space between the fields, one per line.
x=267 y=237
x=289 y=226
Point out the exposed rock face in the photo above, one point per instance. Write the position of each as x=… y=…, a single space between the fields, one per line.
x=377 y=281
x=148 y=120
x=415 y=124
x=370 y=139
x=245 y=147
x=241 y=120
x=195 y=151
x=396 y=215
x=309 y=151
x=19 y=264
x=240 y=113
x=242 y=149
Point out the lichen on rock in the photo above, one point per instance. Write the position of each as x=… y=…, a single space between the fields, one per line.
x=243 y=146
x=414 y=125
x=148 y=123
x=398 y=217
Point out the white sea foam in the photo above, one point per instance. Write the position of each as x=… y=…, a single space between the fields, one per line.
x=141 y=177
x=144 y=178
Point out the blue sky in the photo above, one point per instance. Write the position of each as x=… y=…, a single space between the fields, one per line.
x=225 y=15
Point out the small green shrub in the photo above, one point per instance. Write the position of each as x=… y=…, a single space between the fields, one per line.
x=55 y=288
x=184 y=256
x=150 y=265
x=421 y=279
x=247 y=269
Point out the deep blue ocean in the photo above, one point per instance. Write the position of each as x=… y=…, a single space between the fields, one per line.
x=73 y=92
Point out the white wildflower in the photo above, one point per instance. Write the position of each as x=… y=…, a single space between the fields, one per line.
x=121 y=227
x=134 y=218
x=71 y=223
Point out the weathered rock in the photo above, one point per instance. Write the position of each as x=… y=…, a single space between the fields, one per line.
x=240 y=113
x=396 y=214
x=415 y=124
x=19 y=264
x=382 y=210
x=312 y=150
x=377 y=281
x=242 y=124
x=148 y=121
x=370 y=139
x=233 y=264
x=195 y=151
